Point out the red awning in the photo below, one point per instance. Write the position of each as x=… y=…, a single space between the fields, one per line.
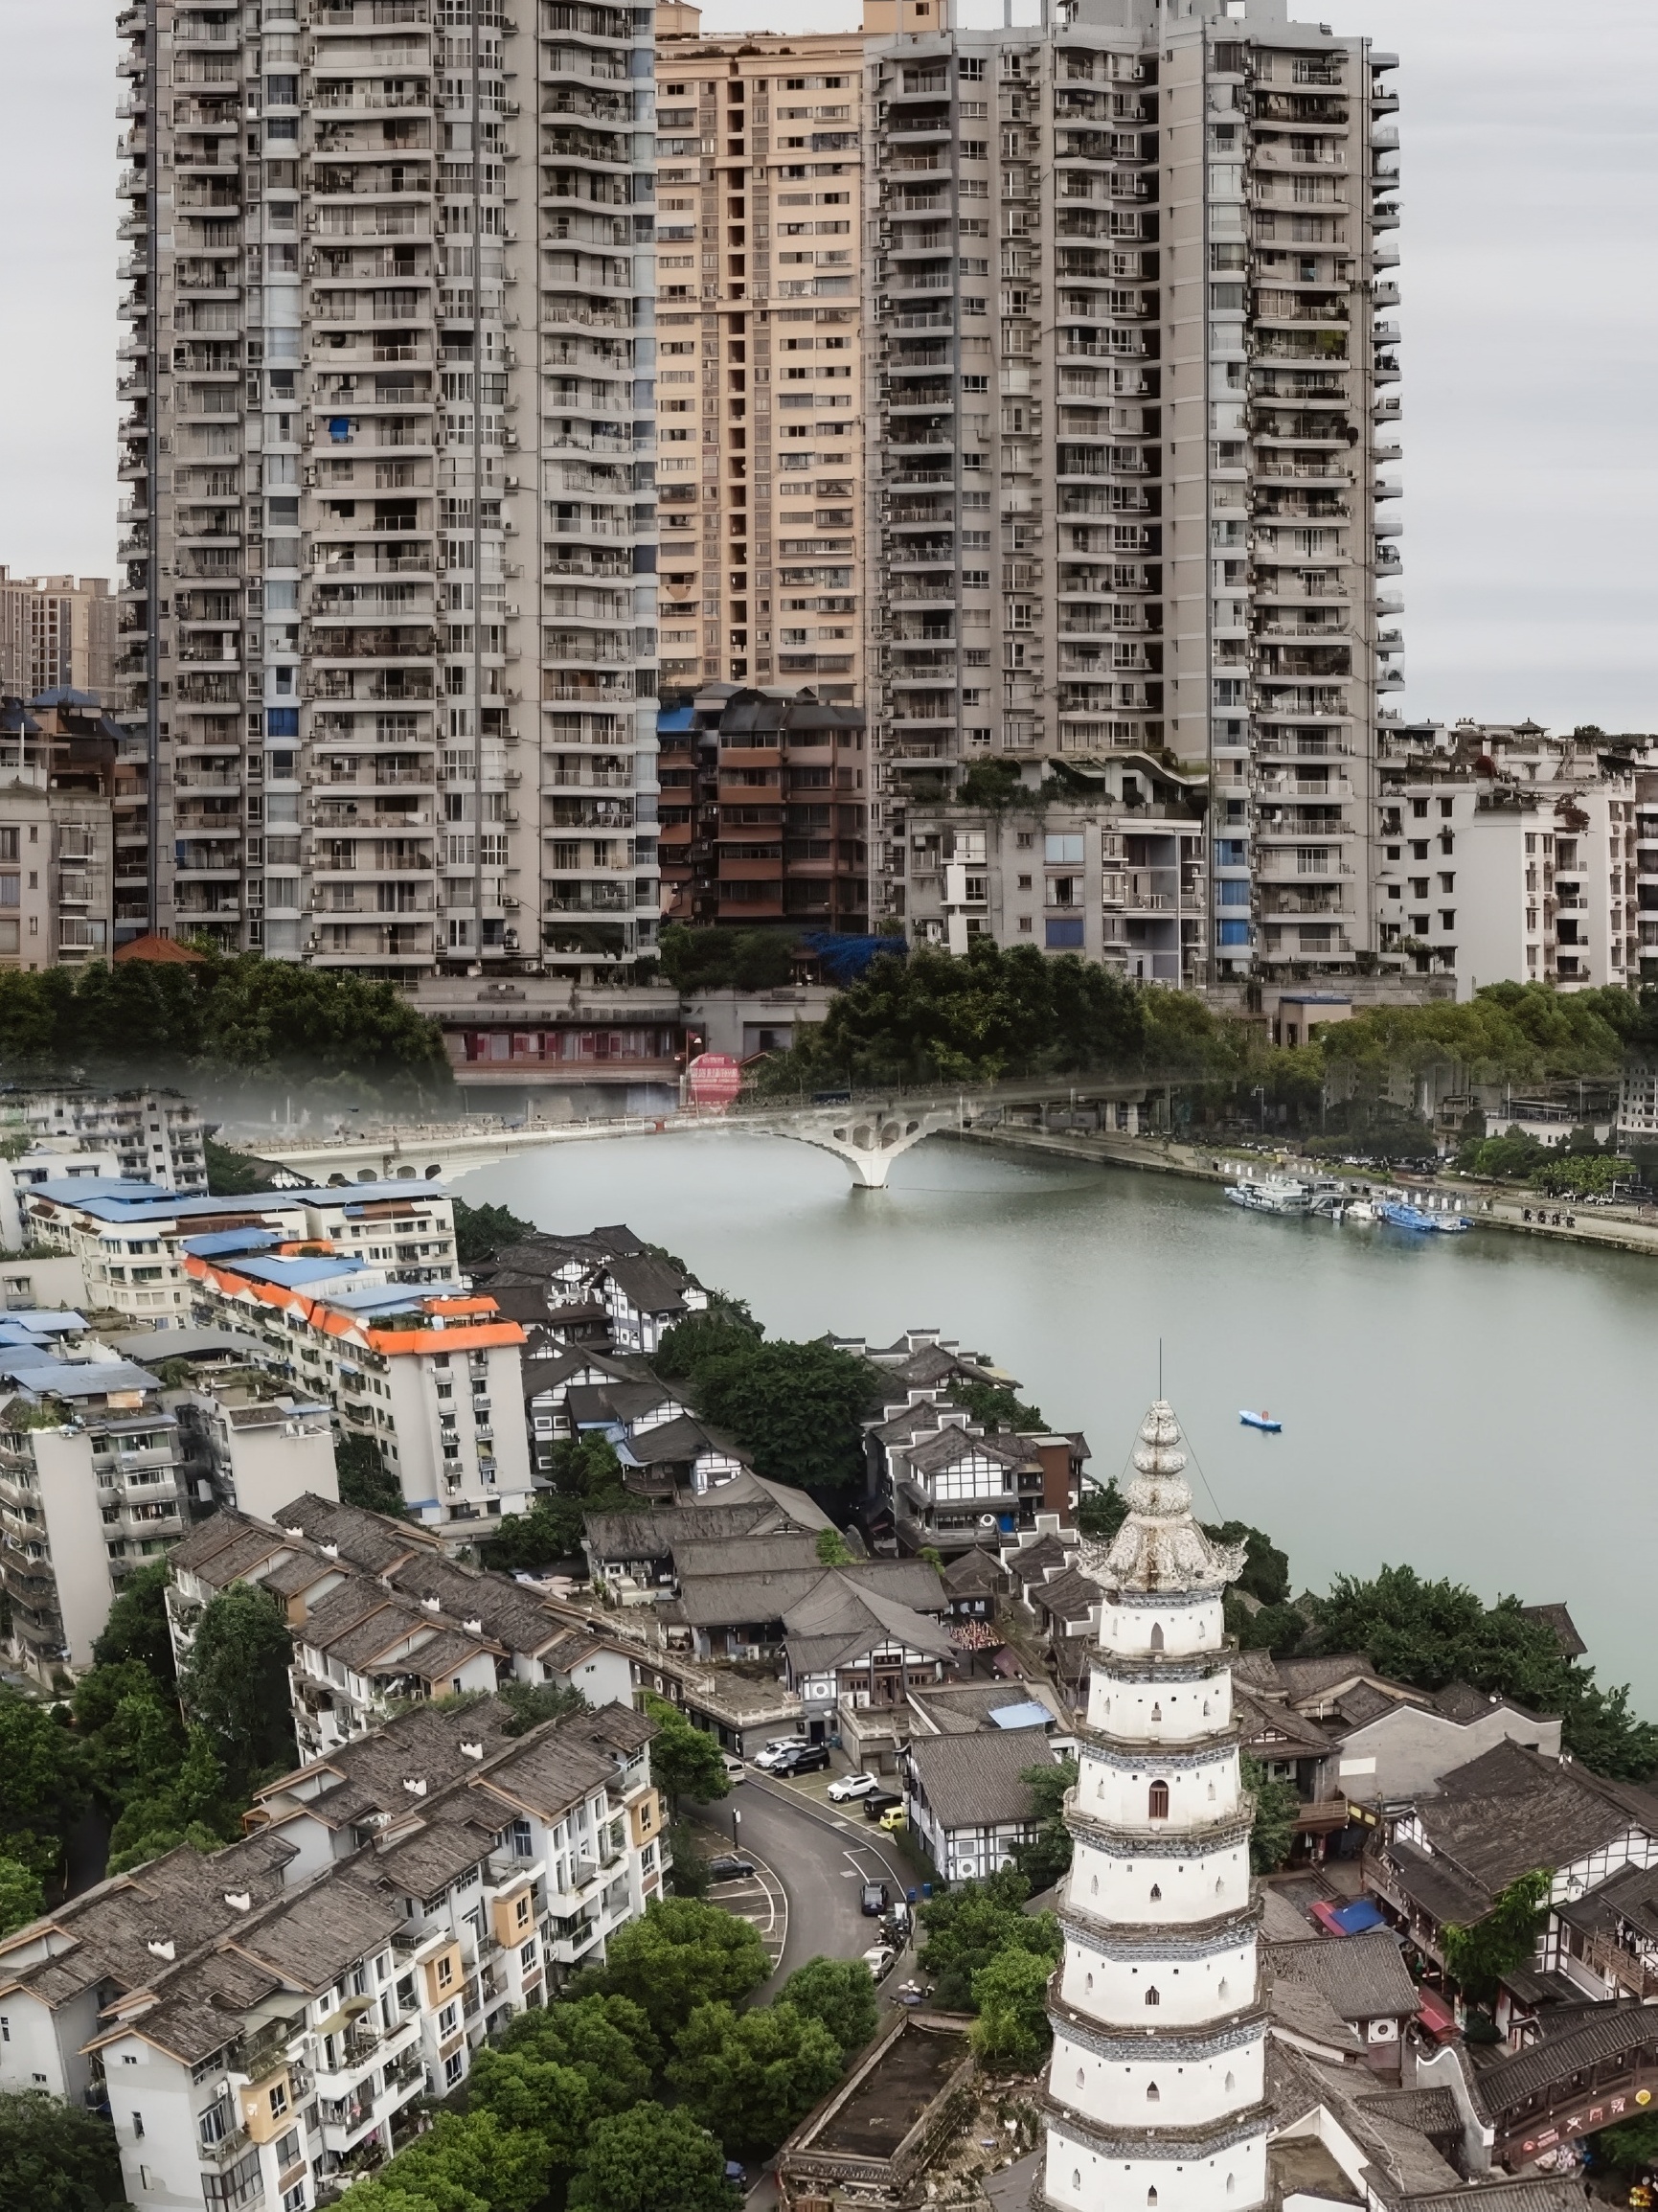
x=1437 y=2016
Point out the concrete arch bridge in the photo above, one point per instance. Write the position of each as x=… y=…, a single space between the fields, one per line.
x=867 y=1129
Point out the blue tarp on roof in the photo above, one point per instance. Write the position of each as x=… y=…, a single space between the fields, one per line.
x=294 y=1274
x=1028 y=1714
x=1358 y=1917
x=220 y=1241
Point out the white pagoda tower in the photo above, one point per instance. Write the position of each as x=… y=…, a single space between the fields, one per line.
x=1156 y=2088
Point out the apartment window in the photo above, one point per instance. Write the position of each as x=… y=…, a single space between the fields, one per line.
x=294 y=2198
x=527 y=1957
x=452 y=2069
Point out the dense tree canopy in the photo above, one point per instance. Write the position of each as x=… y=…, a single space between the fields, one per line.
x=365 y=1479
x=587 y=1477
x=797 y=1409
x=1043 y=1859
x=967 y=1928
x=223 y=1021
x=681 y=1954
x=1011 y=1993
x=237 y=1685
x=647 y=2159
x=482 y=1232
x=54 y=2158
x=1429 y=1633
x=43 y=1783
x=728 y=959
x=685 y=1761
x=136 y=1628
x=753 y=2075
x=840 y=1993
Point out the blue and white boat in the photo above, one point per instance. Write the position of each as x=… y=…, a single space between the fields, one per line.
x=1400 y=1213
x=1263 y=1421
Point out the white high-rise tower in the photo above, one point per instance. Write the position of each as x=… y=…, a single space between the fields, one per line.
x=1156 y=2085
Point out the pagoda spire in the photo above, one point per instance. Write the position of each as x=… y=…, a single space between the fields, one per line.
x=1156 y=2086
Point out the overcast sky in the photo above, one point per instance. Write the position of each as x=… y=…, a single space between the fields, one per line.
x=1529 y=316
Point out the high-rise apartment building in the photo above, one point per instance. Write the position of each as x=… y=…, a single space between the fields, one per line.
x=57 y=633
x=1128 y=365
x=389 y=596
x=761 y=385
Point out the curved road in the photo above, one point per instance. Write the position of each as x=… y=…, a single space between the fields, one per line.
x=822 y=1859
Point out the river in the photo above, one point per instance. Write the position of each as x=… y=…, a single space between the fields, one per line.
x=1471 y=1404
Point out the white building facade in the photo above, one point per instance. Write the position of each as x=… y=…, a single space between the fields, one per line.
x=1156 y=2086
x=388 y=596
x=1130 y=367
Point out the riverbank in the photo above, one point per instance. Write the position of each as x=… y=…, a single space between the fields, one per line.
x=1488 y=1207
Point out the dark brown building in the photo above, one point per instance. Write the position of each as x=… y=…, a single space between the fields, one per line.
x=764 y=809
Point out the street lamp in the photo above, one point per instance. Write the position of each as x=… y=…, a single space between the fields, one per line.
x=735 y=1827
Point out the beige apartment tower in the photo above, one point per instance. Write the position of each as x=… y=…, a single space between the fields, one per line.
x=57 y=633
x=388 y=597
x=761 y=153
x=1130 y=370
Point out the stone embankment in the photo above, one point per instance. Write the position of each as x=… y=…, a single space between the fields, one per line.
x=1487 y=1205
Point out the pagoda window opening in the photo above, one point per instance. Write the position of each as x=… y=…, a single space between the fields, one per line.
x=1153 y=2094
x=1152 y=2195
x=1157 y=1800
x=1157 y=1635
x=1157 y=1712
x=1153 y=1998
x=1156 y=1894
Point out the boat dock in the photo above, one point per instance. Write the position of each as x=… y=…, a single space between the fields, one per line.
x=1609 y=1228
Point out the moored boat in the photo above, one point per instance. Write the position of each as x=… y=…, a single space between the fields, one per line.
x=1271 y=1195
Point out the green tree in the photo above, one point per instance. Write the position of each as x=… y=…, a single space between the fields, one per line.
x=482 y=1233
x=1478 y=1956
x=723 y=959
x=1010 y=1994
x=1102 y=1510
x=797 y=1409
x=365 y=1479
x=994 y=1408
x=1631 y=2147
x=833 y=1548
x=43 y=1783
x=526 y=2088
x=840 y=1994
x=232 y=1174
x=968 y=1926
x=1428 y=1633
x=54 y=2157
x=465 y=2162
x=647 y=2159
x=530 y=1703
x=681 y=1954
x=22 y=1896
x=587 y=1477
x=235 y=1683
x=1275 y=1810
x=685 y=1761
x=1265 y=1569
x=607 y=2040
x=137 y=1624
x=703 y=1337
x=1046 y=1857
x=753 y=2074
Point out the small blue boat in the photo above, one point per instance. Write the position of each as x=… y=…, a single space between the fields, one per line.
x=1263 y=1421
x=1400 y=1213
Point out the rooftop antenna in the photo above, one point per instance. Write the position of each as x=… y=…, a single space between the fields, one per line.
x=1160 y=1370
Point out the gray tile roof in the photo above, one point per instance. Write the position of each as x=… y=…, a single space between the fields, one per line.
x=1512 y=1810
x=1363 y=1976
x=1605 y=2032
x=975 y=1781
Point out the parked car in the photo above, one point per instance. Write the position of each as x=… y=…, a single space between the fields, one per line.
x=729 y=1867
x=805 y=1759
x=779 y=1748
x=879 y=1801
x=894 y=1818
x=873 y=1899
x=734 y=1770
x=878 y=1958
x=850 y=1785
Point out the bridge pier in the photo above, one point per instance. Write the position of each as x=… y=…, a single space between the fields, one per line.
x=868 y=1138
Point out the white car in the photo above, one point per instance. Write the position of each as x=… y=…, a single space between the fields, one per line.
x=878 y=1958
x=852 y=1786
x=734 y=1768
x=777 y=1749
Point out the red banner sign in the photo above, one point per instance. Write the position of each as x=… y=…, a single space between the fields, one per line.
x=714 y=1079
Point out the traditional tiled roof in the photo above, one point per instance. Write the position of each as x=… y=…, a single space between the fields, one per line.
x=1606 y=2031
x=976 y=1781
x=1512 y=1810
x=1558 y=1618
x=1363 y=1976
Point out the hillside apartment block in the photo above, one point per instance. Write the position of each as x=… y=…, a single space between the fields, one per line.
x=388 y=630
x=57 y=633
x=761 y=151
x=263 y=2024
x=1129 y=354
